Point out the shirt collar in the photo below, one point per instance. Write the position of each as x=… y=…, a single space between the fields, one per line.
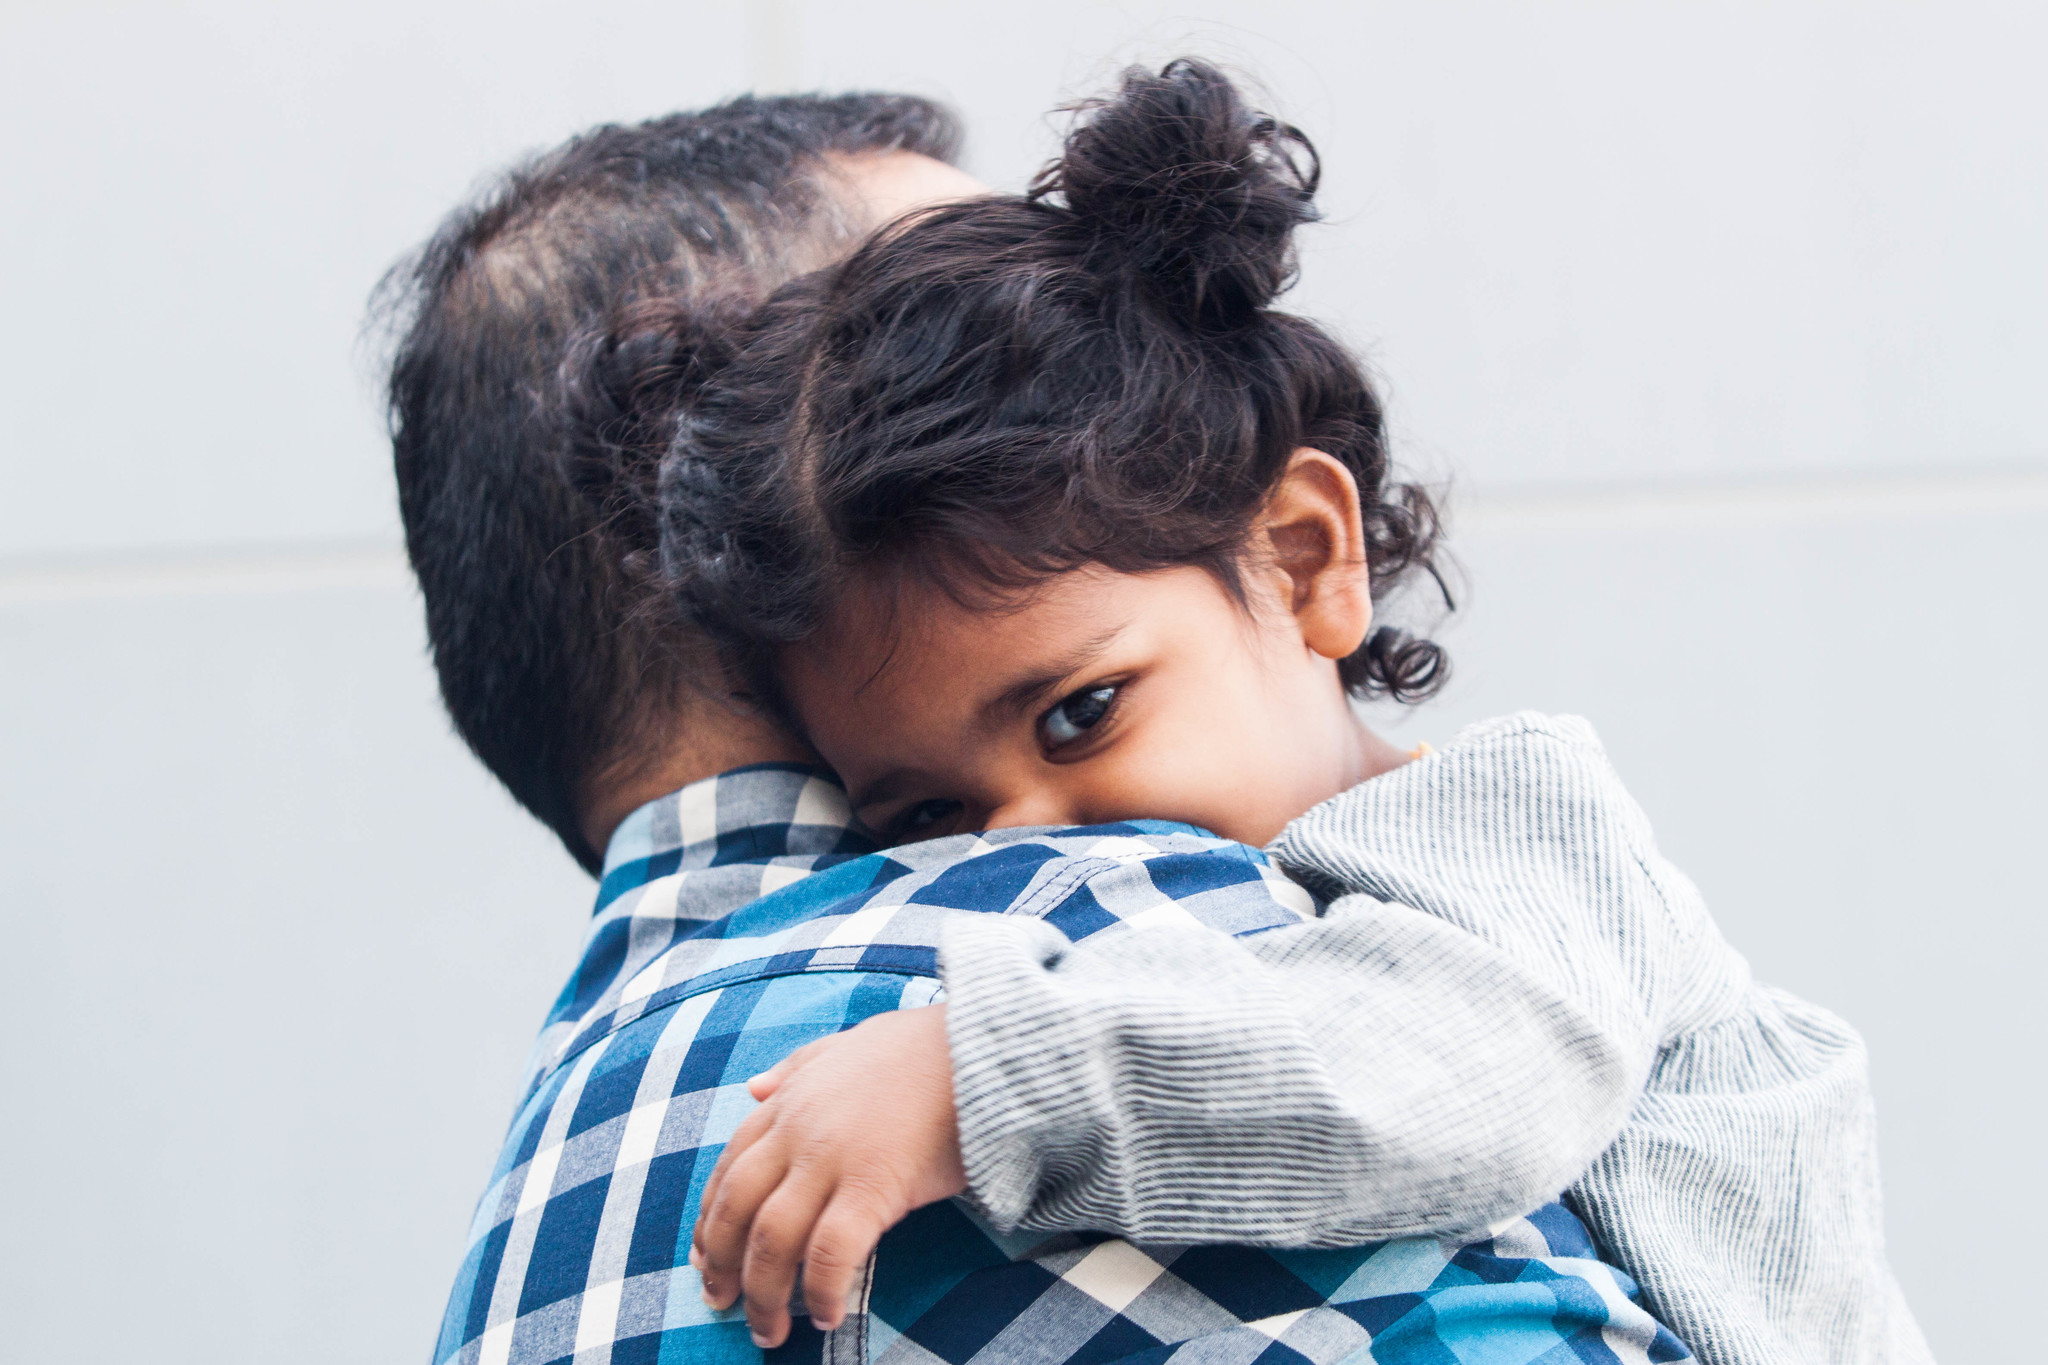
x=750 y=814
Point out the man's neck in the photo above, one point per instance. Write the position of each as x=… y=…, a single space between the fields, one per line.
x=701 y=740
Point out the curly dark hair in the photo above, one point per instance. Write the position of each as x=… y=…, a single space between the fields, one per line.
x=1009 y=387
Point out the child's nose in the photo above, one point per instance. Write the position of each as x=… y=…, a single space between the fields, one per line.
x=1030 y=808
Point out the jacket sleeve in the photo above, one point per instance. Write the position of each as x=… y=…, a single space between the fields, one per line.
x=1371 y=1074
x=1451 y=1048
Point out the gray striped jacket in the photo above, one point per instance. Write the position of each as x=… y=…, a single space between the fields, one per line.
x=1510 y=994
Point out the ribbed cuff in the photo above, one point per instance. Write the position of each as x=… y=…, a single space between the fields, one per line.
x=1029 y=1108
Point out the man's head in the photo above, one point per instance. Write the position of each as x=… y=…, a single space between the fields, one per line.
x=565 y=675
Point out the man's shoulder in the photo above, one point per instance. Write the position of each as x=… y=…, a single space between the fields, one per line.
x=579 y=1242
x=579 y=1239
x=887 y=911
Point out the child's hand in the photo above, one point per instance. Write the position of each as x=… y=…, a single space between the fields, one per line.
x=854 y=1132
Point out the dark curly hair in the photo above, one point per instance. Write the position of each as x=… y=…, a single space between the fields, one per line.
x=1006 y=388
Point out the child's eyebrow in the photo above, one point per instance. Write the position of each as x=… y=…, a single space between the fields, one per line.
x=1033 y=687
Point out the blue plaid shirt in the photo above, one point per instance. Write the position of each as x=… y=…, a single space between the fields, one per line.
x=739 y=919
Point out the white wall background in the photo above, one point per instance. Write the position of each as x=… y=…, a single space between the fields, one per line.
x=1728 y=322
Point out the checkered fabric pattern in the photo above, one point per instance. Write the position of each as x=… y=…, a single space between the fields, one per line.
x=943 y=1289
x=742 y=918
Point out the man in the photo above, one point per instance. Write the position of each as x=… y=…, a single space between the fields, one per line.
x=607 y=717
x=559 y=669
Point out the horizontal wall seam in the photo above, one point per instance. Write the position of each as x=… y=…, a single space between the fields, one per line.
x=200 y=573
x=381 y=565
x=1753 y=503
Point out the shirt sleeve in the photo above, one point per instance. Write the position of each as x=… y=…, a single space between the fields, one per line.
x=1381 y=1071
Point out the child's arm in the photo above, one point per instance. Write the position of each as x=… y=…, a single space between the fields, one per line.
x=1371 y=1074
x=1379 y=1071
x=1376 y=1073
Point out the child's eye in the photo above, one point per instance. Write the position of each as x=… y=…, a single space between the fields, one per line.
x=925 y=820
x=1076 y=715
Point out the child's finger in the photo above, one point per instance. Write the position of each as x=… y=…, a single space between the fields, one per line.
x=769 y=1081
x=841 y=1242
x=775 y=1245
x=726 y=1216
x=743 y=1137
x=751 y=1130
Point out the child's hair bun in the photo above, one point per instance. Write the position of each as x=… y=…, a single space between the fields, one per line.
x=1190 y=190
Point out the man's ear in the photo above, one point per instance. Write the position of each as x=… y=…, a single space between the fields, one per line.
x=1312 y=528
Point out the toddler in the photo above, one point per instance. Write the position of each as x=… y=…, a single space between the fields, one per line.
x=1045 y=516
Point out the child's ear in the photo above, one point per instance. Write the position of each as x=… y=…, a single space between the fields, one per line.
x=1314 y=532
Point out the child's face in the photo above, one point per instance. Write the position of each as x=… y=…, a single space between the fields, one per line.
x=1099 y=696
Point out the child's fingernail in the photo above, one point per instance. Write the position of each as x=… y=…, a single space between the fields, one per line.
x=761 y=1340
